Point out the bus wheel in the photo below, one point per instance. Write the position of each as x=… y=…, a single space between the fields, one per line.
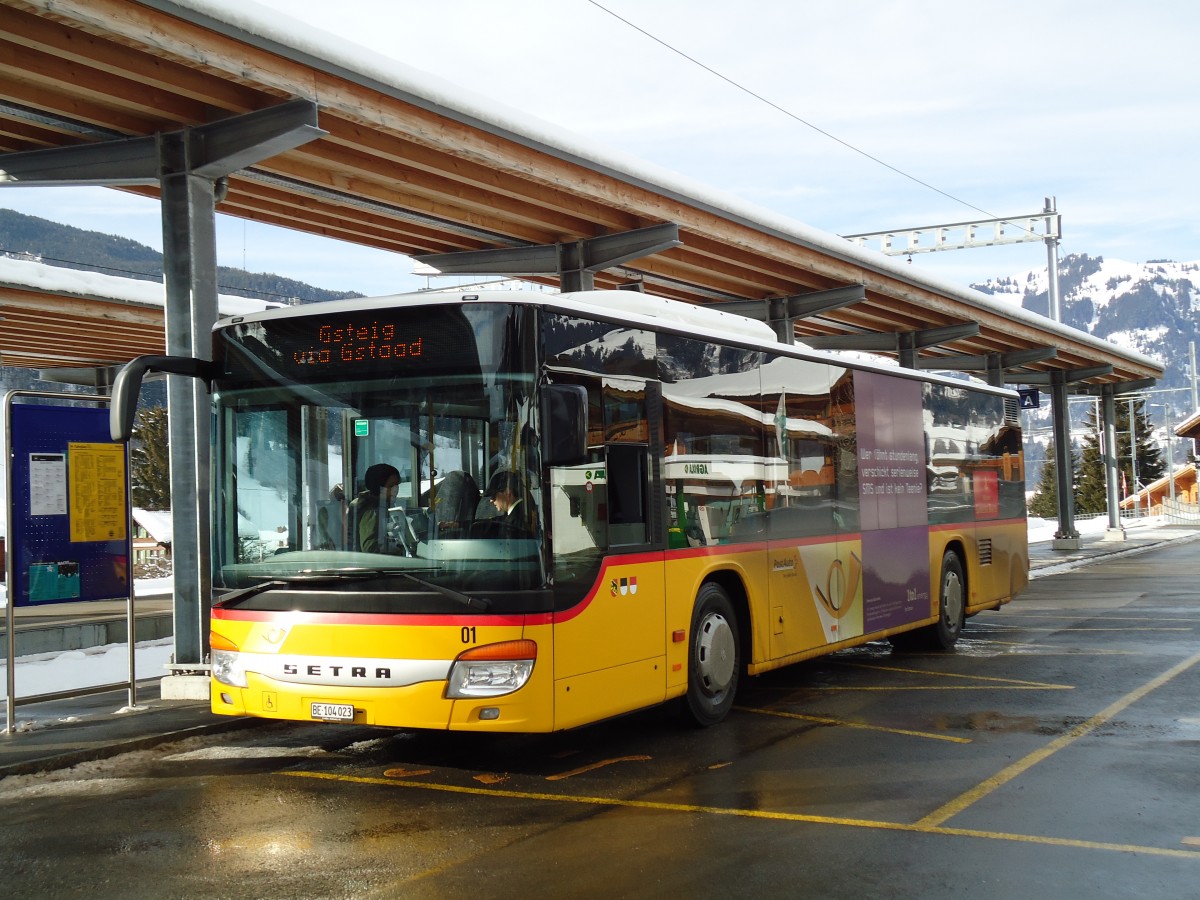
x=943 y=635
x=952 y=604
x=714 y=657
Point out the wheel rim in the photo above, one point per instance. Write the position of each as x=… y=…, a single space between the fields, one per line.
x=716 y=654
x=952 y=600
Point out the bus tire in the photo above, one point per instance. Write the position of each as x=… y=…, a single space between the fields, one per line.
x=952 y=604
x=943 y=634
x=714 y=657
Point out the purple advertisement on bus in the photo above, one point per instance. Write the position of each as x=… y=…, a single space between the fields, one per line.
x=893 y=504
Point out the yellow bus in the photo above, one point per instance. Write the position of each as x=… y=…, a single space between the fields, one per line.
x=515 y=511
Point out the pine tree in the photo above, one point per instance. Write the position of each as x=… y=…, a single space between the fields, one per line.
x=1093 y=486
x=1150 y=463
x=1044 y=502
x=1091 y=494
x=150 y=460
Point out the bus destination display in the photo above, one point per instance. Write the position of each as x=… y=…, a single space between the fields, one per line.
x=318 y=348
x=352 y=343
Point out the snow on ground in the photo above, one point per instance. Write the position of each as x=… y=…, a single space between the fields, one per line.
x=1042 y=530
x=51 y=672
x=47 y=673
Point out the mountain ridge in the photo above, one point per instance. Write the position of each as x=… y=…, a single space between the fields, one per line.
x=1150 y=307
x=53 y=243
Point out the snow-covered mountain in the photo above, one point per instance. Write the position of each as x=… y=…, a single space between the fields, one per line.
x=1152 y=307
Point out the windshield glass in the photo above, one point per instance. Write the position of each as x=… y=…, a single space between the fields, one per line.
x=380 y=452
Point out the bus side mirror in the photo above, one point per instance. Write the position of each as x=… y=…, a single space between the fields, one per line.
x=564 y=424
x=128 y=383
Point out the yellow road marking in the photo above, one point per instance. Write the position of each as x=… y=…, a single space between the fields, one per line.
x=988 y=678
x=999 y=627
x=844 y=723
x=1098 y=614
x=960 y=803
x=941 y=688
x=596 y=765
x=917 y=828
x=1049 y=650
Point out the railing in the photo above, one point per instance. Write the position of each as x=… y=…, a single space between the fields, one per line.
x=1171 y=510
x=1178 y=511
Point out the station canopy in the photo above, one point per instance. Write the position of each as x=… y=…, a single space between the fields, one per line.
x=410 y=164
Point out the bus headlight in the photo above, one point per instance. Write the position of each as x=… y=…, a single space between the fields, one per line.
x=491 y=670
x=227 y=665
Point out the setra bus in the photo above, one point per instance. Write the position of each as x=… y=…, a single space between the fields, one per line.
x=515 y=511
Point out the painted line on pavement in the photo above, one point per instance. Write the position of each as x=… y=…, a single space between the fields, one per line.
x=845 y=723
x=614 y=802
x=992 y=679
x=1001 y=778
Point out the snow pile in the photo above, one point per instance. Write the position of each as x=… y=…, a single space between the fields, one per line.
x=47 y=673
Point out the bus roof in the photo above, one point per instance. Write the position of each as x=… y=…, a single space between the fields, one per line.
x=625 y=306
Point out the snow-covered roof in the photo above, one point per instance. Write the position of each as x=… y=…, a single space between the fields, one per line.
x=246 y=20
x=157 y=523
x=1190 y=427
x=48 y=279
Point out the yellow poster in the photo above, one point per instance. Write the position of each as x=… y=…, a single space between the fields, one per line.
x=96 y=476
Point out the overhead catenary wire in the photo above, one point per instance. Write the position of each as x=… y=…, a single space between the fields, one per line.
x=791 y=115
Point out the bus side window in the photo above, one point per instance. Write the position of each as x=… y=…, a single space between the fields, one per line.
x=627 y=496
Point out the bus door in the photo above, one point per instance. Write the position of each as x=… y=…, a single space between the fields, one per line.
x=815 y=555
x=610 y=649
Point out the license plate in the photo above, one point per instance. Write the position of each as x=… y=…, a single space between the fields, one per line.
x=333 y=712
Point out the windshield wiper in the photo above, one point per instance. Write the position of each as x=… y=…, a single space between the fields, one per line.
x=354 y=574
x=247 y=593
x=480 y=603
x=349 y=573
x=307 y=576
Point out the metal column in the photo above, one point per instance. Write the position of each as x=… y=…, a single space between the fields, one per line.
x=574 y=262
x=1066 y=537
x=190 y=271
x=1108 y=414
x=187 y=165
x=1052 y=240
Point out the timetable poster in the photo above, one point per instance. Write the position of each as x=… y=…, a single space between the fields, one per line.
x=70 y=510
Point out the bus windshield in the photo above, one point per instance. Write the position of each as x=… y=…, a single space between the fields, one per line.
x=382 y=451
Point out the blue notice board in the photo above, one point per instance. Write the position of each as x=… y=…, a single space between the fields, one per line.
x=70 y=504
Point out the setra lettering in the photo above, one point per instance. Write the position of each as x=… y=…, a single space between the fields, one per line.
x=319 y=670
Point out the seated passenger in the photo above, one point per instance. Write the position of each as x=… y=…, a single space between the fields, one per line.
x=370 y=507
x=510 y=496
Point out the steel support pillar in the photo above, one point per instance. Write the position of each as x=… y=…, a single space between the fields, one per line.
x=1108 y=450
x=906 y=345
x=190 y=270
x=1066 y=537
x=188 y=166
x=995 y=370
x=1053 y=232
x=781 y=313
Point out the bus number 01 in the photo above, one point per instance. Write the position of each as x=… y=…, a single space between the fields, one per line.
x=468 y=634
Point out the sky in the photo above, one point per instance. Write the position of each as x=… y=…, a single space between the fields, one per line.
x=849 y=117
